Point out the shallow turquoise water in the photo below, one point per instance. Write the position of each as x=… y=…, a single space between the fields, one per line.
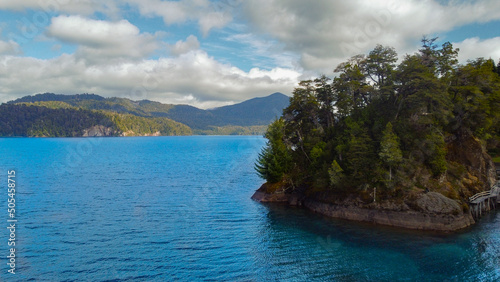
x=179 y=208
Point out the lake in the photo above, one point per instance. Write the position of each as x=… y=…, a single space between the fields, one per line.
x=179 y=208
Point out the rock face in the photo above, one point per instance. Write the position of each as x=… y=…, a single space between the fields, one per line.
x=262 y=196
x=433 y=202
x=407 y=219
x=132 y=133
x=98 y=131
x=468 y=151
x=428 y=211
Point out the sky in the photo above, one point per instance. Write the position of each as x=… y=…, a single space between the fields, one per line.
x=214 y=53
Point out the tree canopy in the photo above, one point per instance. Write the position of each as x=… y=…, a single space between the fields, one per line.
x=377 y=122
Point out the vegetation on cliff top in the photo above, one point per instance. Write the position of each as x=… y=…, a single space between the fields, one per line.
x=379 y=124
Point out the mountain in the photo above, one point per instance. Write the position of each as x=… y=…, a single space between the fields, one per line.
x=256 y=111
x=248 y=117
x=253 y=112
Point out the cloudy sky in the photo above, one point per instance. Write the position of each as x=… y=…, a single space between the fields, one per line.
x=211 y=53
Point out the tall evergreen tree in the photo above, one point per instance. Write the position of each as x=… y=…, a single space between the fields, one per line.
x=390 y=152
x=274 y=160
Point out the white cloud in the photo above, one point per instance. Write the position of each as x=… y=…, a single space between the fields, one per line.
x=9 y=48
x=89 y=32
x=213 y=19
x=326 y=32
x=194 y=78
x=101 y=41
x=263 y=52
x=182 y=47
x=280 y=39
x=473 y=48
x=79 y=7
x=209 y=15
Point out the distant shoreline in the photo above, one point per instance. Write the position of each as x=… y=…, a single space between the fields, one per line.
x=197 y=135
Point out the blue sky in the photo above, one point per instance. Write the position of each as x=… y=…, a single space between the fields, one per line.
x=212 y=53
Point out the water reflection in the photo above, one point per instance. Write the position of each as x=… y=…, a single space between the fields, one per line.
x=347 y=250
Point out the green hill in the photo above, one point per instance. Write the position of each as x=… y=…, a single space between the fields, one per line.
x=38 y=121
x=149 y=117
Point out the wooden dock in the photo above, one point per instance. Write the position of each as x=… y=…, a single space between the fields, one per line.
x=485 y=201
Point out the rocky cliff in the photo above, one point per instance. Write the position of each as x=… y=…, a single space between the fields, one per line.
x=468 y=152
x=132 y=133
x=98 y=131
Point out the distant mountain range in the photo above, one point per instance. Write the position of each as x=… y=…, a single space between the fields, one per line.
x=128 y=117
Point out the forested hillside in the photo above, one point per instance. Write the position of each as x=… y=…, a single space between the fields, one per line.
x=22 y=120
x=251 y=113
x=422 y=124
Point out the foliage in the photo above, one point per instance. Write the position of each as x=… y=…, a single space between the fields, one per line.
x=41 y=121
x=148 y=117
x=377 y=122
x=233 y=130
x=274 y=160
x=253 y=112
x=139 y=126
x=22 y=120
x=49 y=104
x=390 y=152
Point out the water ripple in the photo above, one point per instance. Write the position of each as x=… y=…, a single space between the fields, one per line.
x=179 y=208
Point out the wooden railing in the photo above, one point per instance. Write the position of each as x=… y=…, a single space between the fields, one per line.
x=480 y=195
x=495 y=190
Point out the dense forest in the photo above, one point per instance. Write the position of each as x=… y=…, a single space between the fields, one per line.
x=52 y=119
x=379 y=124
x=127 y=123
x=22 y=120
x=248 y=117
x=56 y=115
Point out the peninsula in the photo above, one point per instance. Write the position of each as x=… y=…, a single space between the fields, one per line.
x=403 y=144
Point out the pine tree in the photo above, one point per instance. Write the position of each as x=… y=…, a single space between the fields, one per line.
x=390 y=152
x=274 y=159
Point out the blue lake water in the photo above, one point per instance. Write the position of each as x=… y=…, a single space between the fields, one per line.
x=179 y=208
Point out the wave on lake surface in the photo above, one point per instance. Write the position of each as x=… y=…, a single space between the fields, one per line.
x=179 y=208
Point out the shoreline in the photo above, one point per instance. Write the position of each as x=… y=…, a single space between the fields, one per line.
x=411 y=219
x=131 y=136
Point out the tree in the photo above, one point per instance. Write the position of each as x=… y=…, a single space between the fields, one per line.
x=352 y=91
x=360 y=154
x=380 y=64
x=475 y=93
x=274 y=160
x=447 y=60
x=302 y=119
x=428 y=52
x=325 y=97
x=421 y=94
x=336 y=174
x=390 y=152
